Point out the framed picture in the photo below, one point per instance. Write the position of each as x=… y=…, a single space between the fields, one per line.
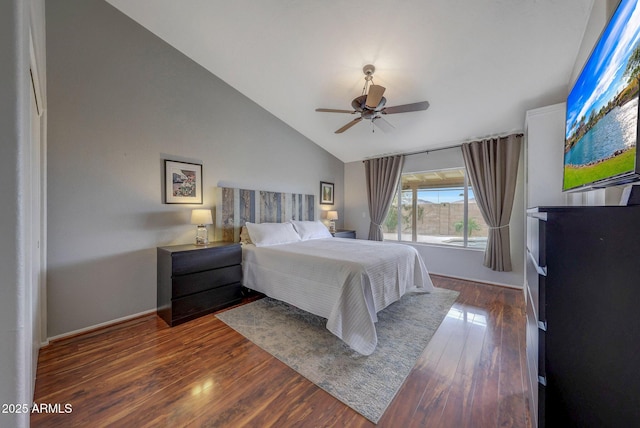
x=326 y=193
x=183 y=182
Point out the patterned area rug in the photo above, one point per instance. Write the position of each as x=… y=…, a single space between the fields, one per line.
x=367 y=384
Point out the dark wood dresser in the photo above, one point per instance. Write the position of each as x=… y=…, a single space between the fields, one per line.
x=344 y=233
x=583 y=332
x=194 y=280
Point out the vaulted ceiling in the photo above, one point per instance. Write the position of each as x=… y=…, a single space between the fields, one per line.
x=480 y=63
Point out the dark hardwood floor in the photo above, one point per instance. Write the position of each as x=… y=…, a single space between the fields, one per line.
x=202 y=373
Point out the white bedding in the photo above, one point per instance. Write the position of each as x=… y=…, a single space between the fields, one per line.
x=346 y=281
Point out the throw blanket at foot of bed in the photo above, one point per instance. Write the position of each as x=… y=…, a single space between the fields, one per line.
x=346 y=281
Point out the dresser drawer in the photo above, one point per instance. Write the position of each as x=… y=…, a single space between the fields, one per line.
x=186 y=262
x=184 y=285
x=542 y=401
x=195 y=305
x=542 y=357
x=195 y=280
x=542 y=299
x=351 y=234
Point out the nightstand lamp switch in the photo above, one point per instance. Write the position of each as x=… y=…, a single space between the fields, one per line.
x=201 y=218
x=332 y=216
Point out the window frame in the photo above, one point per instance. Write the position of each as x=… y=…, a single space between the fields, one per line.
x=414 y=206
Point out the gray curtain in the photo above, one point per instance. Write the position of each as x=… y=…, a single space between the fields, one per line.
x=383 y=176
x=492 y=166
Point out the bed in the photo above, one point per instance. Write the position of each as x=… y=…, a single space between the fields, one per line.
x=346 y=281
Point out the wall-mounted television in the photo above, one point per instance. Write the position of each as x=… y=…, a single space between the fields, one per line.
x=602 y=108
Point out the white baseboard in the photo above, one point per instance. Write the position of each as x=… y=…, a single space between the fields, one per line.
x=487 y=282
x=96 y=326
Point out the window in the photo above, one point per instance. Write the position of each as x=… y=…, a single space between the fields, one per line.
x=436 y=207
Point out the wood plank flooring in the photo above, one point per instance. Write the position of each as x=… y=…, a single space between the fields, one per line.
x=141 y=373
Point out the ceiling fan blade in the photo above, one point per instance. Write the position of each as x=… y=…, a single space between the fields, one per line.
x=381 y=123
x=333 y=110
x=374 y=96
x=348 y=125
x=406 y=108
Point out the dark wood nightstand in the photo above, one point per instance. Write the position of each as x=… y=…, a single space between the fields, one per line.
x=194 y=280
x=344 y=233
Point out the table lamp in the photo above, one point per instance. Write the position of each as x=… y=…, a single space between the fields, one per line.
x=332 y=216
x=201 y=218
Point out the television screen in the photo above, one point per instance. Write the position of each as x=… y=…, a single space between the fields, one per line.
x=602 y=108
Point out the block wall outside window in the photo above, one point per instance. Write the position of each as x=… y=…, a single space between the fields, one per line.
x=437 y=207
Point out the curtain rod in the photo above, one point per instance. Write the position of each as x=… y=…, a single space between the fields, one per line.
x=518 y=134
x=433 y=150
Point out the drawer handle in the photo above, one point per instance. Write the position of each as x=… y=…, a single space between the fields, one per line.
x=538 y=215
x=542 y=325
x=541 y=270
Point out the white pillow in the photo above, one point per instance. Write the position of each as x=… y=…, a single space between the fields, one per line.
x=311 y=229
x=265 y=234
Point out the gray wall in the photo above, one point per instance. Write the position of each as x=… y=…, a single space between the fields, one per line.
x=120 y=101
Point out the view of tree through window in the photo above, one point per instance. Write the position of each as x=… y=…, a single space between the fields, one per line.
x=436 y=207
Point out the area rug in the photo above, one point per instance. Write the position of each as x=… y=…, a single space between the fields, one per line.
x=367 y=384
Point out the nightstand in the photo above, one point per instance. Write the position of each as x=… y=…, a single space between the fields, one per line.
x=344 y=233
x=196 y=280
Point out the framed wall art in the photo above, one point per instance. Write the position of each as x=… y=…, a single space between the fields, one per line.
x=326 y=193
x=183 y=182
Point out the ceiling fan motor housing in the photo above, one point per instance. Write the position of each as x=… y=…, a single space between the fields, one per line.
x=369 y=114
x=371 y=111
x=359 y=104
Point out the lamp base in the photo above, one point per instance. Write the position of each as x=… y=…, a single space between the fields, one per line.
x=202 y=235
x=332 y=226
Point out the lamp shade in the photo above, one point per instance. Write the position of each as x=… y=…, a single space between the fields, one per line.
x=201 y=216
x=332 y=215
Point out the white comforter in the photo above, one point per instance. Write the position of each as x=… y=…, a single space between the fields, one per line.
x=346 y=281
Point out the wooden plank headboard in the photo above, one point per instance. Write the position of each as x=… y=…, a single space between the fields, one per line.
x=237 y=206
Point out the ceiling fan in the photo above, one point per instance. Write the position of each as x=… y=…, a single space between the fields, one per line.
x=371 y=105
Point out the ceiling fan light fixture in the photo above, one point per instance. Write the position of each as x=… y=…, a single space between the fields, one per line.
x=372 y=103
